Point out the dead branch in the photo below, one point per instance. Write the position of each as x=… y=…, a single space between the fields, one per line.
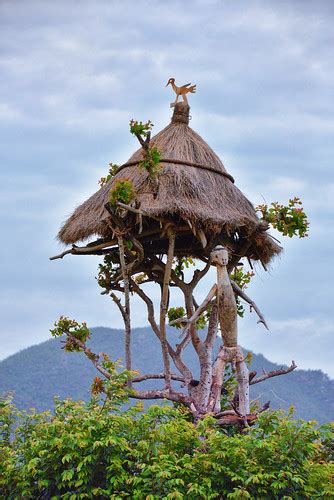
x=199 y=274
x=85 y=250
x=175 y=355
x=94 y=358
x=174 y=277
x=274 y=373
x=236 y=420
x=265 y=407
x=198 y=311
x=119 y=305
x=157 y=376
x=242 y=294
x=177 y=397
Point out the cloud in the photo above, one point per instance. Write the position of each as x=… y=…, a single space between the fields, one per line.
x=71 y=80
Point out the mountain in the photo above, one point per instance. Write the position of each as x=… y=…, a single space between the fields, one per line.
x=37 y=374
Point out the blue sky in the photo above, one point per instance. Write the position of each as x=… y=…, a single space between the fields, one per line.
x=74 y=73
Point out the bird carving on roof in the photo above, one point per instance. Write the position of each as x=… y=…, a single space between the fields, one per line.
x=181 y=91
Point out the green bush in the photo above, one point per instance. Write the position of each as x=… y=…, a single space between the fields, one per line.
x=88 y=450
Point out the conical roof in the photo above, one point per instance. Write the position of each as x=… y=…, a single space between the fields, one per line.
x=192 y=188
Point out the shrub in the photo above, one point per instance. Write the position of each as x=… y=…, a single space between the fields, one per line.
x=93 y=450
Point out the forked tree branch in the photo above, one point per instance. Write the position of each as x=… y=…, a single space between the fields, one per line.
x=175 y=355
x=273 y=373
x=153 y=394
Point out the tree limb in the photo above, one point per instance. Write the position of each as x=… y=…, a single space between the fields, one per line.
x=119 y=305
x=157 y=376
x=177 y=397
x=84 y=250
x=176 y=357
x=274 y=373
x=94 y=358
x=242 y=294
x=198 y=311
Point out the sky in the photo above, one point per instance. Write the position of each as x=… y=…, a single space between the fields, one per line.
x=72 y=75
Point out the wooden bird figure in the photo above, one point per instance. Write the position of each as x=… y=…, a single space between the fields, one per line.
x=181 y=91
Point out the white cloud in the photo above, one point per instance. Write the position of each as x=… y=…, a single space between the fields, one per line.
x=71 y=79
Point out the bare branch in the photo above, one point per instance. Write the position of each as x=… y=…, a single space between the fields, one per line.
x=198 y=311
x=242 y=294
x=180 y=365
x=157 y=376
x=119 y=305
x=175 y=278
x=94 y=358
x=149 y=305
x=177 y=397
x=274 y=373
x=199 y=274
x=85 y=250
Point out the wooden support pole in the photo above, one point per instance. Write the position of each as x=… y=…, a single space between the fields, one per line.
x=164 y=306
x=127 y=321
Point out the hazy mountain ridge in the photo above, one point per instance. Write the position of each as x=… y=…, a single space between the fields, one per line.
x=43 y=371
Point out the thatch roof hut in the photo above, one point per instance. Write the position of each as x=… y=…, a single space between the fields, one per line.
x=193 y=189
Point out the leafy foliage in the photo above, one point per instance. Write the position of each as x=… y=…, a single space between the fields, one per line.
x=113 y=168
x=73 y=330
x=176 y=313
x=288 y=220
x=107 y=271
x=94 y=451
x=242 y=279
x=140 y=128
x=182 y=263
x=151 y=155
x=179 y=312
x=151 y=161
x=123 y=190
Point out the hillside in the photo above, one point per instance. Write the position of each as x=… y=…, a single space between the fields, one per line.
x=43 y=371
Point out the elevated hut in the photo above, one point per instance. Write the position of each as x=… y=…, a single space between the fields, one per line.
x=193 y=191
x=184 y=204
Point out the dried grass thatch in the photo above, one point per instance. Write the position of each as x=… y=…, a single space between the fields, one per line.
x=204 y=198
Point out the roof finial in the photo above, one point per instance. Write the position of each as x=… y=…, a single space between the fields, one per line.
x=181 y=91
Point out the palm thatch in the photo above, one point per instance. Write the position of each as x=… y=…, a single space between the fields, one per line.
x=195 y=191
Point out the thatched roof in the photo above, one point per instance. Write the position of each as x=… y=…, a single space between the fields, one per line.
x=204 y=196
